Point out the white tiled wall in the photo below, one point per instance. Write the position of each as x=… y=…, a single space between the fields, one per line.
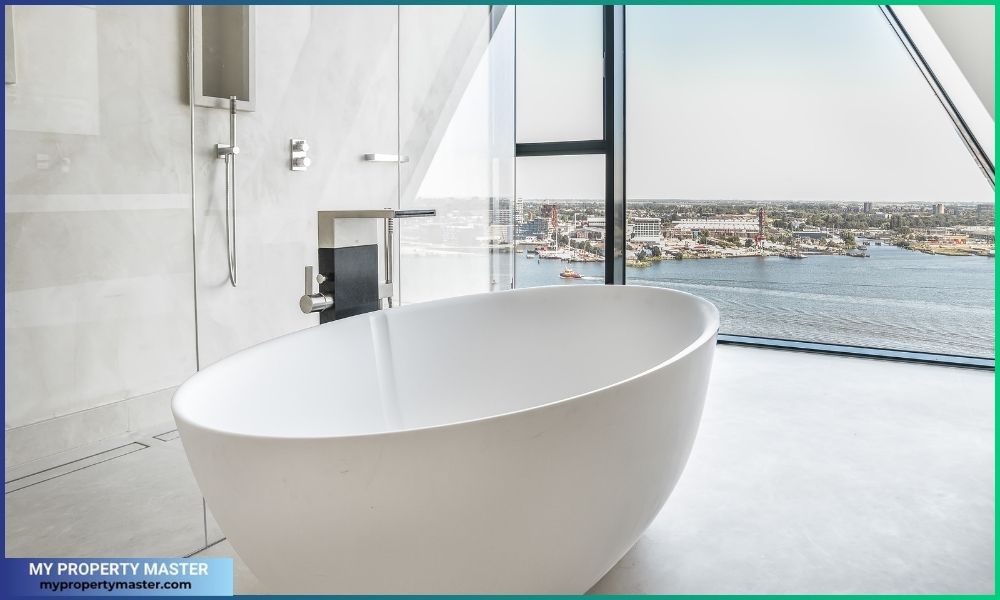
x=98 y=269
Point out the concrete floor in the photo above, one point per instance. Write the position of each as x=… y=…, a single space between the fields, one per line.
x=130 y=496
x=822 y=475
x=811 y=474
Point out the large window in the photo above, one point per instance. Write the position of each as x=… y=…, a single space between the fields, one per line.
x=804 y=177
x=789 y=163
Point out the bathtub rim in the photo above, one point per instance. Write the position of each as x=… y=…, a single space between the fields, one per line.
x=709 y=333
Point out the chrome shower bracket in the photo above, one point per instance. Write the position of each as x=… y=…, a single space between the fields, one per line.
x=228 y=152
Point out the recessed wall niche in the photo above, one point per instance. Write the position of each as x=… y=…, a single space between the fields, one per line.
x=224 y=55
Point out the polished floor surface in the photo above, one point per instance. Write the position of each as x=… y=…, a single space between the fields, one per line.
x=811 y=474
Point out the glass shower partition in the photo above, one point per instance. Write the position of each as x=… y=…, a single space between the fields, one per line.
x=456 y=131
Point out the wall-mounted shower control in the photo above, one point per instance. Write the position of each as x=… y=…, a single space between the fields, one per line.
x=298 y=159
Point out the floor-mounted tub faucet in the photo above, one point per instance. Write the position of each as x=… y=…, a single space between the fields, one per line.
x=348 y=276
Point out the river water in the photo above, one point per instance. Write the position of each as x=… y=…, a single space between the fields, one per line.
x=896 y=299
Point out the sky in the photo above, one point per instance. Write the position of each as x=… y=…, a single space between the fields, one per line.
x=728 y=102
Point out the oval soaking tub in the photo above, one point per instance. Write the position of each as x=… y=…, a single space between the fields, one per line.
x=514 y=442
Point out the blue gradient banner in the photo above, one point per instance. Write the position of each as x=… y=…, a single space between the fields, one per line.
x=117 y=576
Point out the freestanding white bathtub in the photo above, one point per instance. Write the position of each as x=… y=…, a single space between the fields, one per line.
x=515 y=442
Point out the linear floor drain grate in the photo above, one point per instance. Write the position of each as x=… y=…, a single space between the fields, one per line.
x=166 y=436
x=19 y=483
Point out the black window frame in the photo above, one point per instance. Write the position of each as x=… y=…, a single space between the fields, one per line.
x=611 y=145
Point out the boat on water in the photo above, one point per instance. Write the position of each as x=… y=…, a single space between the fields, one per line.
x=858 y=253
x=792 y=255
x=570 y=274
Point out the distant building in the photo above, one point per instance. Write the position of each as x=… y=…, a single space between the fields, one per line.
x=539 y=227
x=980 y=232
x=734 y=226
x=595 y=222
x=984 y=210
x=646 y=229
x=868 y=207
x=589 y=233
x=500 y=216
x=951 y=239
x=938 y=209
x=500 y=234
x=501 y=212
x=810 y=235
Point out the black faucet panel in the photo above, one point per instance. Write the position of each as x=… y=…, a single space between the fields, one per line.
x=352 y=278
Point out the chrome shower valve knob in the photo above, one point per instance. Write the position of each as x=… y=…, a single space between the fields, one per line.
x=297 y=158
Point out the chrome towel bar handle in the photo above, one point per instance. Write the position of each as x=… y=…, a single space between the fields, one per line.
x=394 y=158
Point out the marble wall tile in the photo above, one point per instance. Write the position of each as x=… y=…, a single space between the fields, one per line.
x=87 y=428
x=57 y=88
x=99 y=279
x=151 y=411
x=137 y=138
x=99 y=309
x=52 y=436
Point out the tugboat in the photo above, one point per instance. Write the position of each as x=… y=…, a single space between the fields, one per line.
x=570 y=274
